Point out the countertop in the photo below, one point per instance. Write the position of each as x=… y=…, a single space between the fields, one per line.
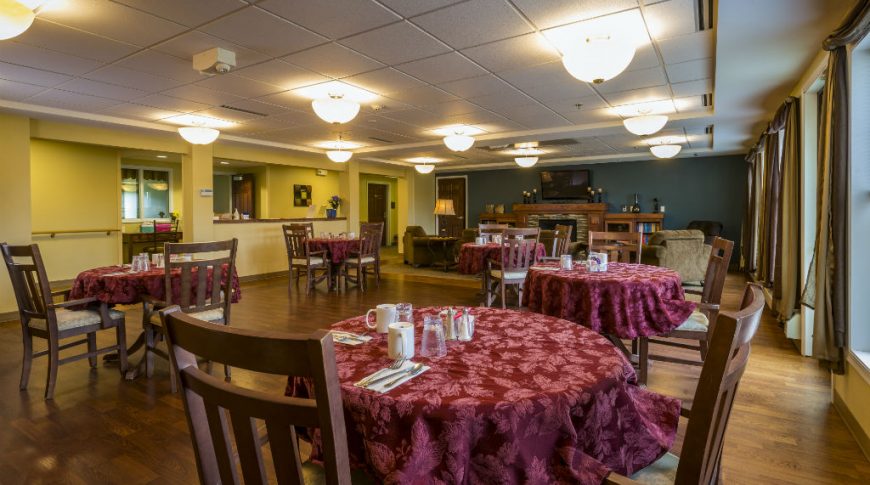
x=297 y=219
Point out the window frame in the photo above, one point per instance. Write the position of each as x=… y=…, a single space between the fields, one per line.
x=141 y=192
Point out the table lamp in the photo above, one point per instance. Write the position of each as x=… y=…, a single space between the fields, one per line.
x=444 y=207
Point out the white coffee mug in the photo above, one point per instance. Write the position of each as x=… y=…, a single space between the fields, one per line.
x=385 y=314
x=400 y=340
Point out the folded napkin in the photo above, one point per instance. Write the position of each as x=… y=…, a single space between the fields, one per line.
x=400 y=375
x=545 y=268
x=117 y=273
x=348 y=338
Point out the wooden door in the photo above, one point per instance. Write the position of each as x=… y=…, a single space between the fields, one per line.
x=452 y=188
x=243 y=194
x=378 y=207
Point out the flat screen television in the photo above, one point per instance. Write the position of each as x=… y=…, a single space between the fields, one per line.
x=565 y=184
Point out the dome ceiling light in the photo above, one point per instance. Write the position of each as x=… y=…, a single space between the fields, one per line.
x=197 y=129
x=339 y=152
x=665 y=151
x=424 y=168
x=597 y=58
x=335 y=108
x=335 y=101
x=645 y=124
x=459 y=141
x=16 y=16
x=199 y=135
x=528 y=155
x=423 y=165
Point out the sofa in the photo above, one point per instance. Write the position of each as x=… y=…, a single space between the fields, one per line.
x=416 y=246
x=682 y=250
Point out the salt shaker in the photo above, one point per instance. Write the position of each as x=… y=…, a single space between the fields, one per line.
x=449 y=321
x=466 y=330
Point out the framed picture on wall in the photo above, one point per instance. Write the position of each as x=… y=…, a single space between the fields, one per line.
x=301 y=195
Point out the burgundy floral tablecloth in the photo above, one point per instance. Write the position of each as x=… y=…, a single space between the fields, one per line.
x=473 y=257
x=116 y=285
x=531 y=399
x=336 y=249
x=628 y=300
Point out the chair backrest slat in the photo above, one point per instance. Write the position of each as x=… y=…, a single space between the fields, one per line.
x=306 y=227
x=717 y=270
x=518 y=254
x=524 y=232
x=196 y=295
x=208 y=400
x=370 y=238
x=491 y=229
x=561 y=239
x=29 y=283
x=296 y=239
x=622 y=247
x=717 y=387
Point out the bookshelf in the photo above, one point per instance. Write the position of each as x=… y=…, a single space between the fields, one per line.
x=645 y=223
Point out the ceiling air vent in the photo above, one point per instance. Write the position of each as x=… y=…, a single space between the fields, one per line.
x=460 y=157
x=243 y=110
x=707 y=99
x=705 y=14
x=544 y=143
x=380 y=139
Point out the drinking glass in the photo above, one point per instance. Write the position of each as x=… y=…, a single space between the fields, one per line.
x=433 y=344
x=404 y=312
x=136 y=265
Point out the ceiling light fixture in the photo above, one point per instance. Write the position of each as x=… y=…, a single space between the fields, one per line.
x=459 y=141
x=16 y=16
x=645 y=124
x=423 y=165
x=665 y=151
x=528 y=157
x=199 y=135
x=597 y=58
x=338 y=152
x=424 y=168
x=161 y=156
x=335 y=108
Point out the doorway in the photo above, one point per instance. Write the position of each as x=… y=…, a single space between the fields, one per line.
x=455 y=189
x=378 y=196
x=243 y=194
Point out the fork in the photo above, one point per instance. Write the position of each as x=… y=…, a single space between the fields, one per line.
x=399 y=362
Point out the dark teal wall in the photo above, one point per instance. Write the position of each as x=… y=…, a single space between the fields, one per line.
x=707 y=188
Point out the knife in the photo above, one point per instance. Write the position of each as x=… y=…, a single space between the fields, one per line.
x=391 y=374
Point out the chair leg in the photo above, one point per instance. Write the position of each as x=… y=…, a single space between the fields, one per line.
x=309 y=283
x=378 y=273
x=642 y=360
x=92 y=348
x=27 y=361
x=121 y=335
x=702 y=345
x=173 y=384
x=149 y=355
x=52 y=369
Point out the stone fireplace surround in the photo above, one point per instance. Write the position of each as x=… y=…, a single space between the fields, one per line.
x=587 y=217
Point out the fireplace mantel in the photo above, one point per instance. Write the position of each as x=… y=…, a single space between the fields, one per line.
x=560 y=208
x=588 y=217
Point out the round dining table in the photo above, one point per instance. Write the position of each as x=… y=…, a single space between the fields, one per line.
x=530 y=399
x=473 y=257
x=337 y=249
x=627 y=301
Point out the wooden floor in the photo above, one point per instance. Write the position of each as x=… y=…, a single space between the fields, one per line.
x=101 y=429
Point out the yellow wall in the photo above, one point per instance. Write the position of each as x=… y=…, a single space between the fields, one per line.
x=15 y=224
x=281 y=181
x=75 y=187
x=364 y=180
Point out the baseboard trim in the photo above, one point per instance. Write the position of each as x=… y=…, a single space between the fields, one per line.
x=263 y=276
x=852 y=424
x=8 y=317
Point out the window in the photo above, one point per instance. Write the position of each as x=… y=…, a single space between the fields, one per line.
x=145 y=193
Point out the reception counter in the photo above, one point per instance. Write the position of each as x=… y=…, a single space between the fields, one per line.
x=261 y=242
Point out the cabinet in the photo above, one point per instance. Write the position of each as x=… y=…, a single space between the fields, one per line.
x=645 y=223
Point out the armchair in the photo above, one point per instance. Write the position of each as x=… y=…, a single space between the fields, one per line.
x=683 y=251
x=416 y=246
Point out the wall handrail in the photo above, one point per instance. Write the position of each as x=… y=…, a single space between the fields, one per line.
x=74 y=231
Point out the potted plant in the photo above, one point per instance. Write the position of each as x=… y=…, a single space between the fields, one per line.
x=334 y=202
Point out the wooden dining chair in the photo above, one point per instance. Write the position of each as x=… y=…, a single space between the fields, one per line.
x=302 y=260
x=620 y=247
x=192 y=291
x=489 y=230
x=368 y=256
x=561 y=241
x=699 y=325
x=219 y=413
x=701 y=454
x=307 y=227
x=523 y=233
x=41 y=317
x=517 y=255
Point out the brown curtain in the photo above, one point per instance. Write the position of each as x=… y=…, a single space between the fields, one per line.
x=787 y=279
x=826 y=288
x=747 y=240
x=767 y=233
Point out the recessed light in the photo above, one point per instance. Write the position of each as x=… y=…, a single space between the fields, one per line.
x=161 y=156
x=225 y=163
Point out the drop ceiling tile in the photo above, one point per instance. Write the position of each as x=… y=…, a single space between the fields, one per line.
x=691 y=88
x=122 y=76
x=139 y=112
x=288 y=100
x=113 y=20
x=263 y=32
x=410 y=8
x=333 y=18
x=280 y=73
x=547 y=93
x=39 y=58
x=644 y=78
x=260 y=108
x=384 y=124
x=333 y=60
x=69 y=100
x=194 y=42
x=551 y=13
x=170 y=103
x=690 y=70
x=476 y=86
x=453 y=108
x=568 y=106
x=443 y=68
x=552 y=74
x=473 y=23
x=637 y=95
x=644 y=58
x=515 y=53
x=13 y=72
x=16 y=91
x=504 y=98
x=63 y=39
x=422 y=96
x=188 y=12
x=384 y=81
x=154 y=62
x=271 y=123
x=203 y=95
x=228 y=114
x=671 y=18
x=392 y=44
x=687 y=47
x=533 y=117
x=416 y=117
x=101 y=89
x=689 y=103
x=239 y=86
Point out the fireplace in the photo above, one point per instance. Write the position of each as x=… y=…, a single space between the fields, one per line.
x=550 y=224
